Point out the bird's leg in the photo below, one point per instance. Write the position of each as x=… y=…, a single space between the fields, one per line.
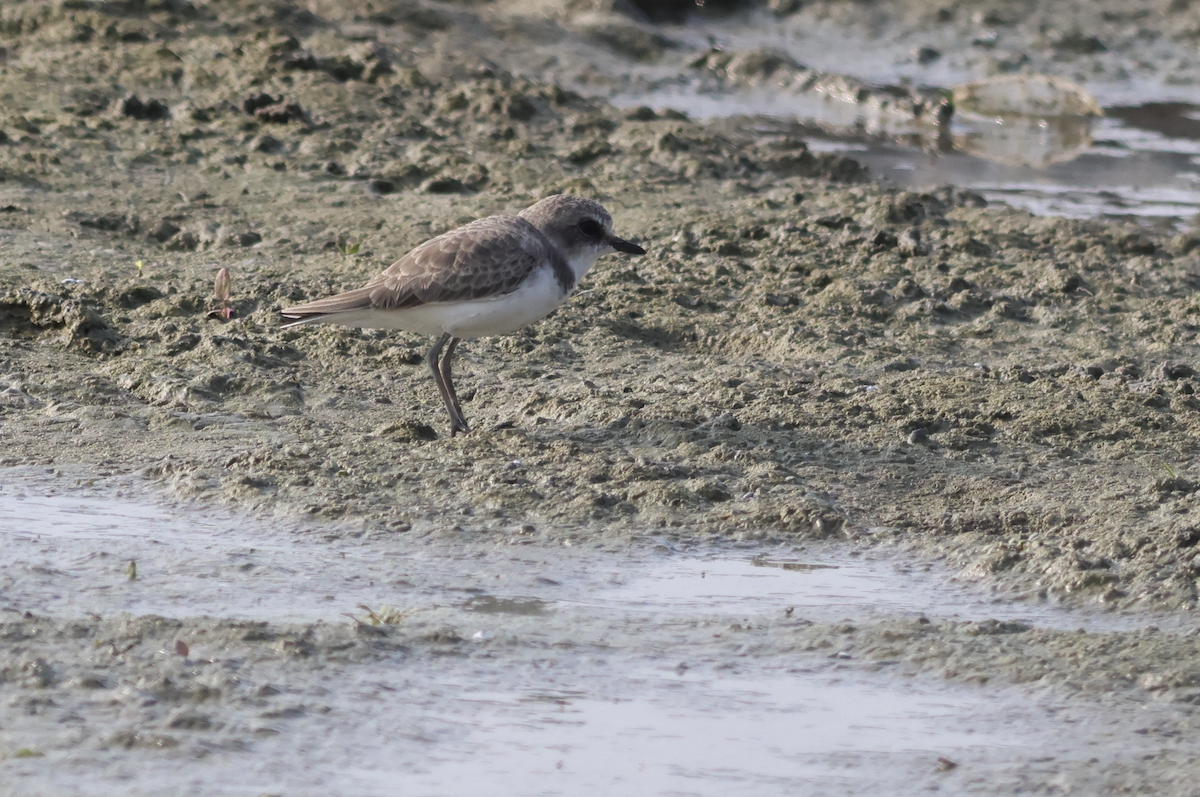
x=458 y=424
x=448 y=398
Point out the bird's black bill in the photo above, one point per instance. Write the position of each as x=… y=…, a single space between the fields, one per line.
x=627 y=247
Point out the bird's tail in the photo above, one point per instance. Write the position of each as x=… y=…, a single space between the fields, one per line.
x=327 y=309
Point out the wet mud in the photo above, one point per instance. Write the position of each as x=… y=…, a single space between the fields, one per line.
x=258 y=655
x=804 y=354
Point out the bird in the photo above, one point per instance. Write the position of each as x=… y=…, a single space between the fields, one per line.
x=493 y=276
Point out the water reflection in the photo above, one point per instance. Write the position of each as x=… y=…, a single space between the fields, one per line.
x=1176 y=120
x=1024 y=140
x=1024 y=120
x=490 y=604
x=1140 y=163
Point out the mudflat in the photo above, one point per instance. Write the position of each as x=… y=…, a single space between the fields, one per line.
x=803 y=354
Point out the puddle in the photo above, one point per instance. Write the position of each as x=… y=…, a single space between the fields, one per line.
x=1123 y=166
x=1123 y=170
x=1136 y=163
x=69 y=555
x=625 y=728
x=844 y=586
x=600 y=710
x=778 y=733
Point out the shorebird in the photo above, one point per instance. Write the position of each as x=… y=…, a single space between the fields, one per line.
x=490 y=277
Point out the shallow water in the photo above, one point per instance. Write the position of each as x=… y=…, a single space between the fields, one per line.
x=612 y=717
x=1139 y=162
x=70 y=555
x=1125 y=169
x=655 y=732
x=625 y=729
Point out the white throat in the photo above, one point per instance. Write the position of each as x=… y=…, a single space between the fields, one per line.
x=581 y=262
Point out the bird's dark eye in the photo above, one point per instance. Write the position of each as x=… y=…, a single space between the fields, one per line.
x=591 y=228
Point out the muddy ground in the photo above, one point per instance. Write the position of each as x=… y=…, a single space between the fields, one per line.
x=803 y=353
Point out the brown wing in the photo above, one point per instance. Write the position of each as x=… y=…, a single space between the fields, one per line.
x=488 y=257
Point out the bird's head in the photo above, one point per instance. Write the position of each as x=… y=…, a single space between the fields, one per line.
x=581 y=228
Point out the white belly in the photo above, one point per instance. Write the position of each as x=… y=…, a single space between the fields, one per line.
x=479 y=318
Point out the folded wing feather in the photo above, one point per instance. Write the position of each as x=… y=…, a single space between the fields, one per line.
x=486 y=258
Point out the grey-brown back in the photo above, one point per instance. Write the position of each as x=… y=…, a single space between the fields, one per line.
x=488 y=257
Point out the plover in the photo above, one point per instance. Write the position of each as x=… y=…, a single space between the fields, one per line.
x=490 y=277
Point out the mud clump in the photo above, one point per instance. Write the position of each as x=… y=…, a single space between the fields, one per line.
x=27 y=313
x=134 y=108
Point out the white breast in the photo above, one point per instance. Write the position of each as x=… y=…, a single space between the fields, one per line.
x=536 y=297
